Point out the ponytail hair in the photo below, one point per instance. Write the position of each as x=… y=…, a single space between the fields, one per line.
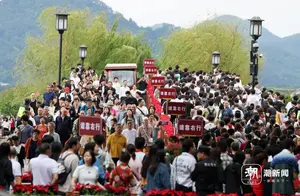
x=131 y=150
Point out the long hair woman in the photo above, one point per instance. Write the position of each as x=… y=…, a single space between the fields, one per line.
x=148 y=159
x=134 y=163
x=158 y=176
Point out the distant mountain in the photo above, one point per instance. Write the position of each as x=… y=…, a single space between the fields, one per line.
x=18 y=18
x=281 y=67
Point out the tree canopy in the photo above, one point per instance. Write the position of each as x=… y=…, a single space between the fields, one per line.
x=38 y=63
x=192 y=48
x=40 y=56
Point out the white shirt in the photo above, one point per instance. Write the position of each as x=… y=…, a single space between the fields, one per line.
x=17 y=171
x=76 y=81
x=140 y=155
x=65 y=96
x=197 y=89
x=144 y=109
x=43 y=168
x=130 y=135
x=238 y=86
x=33 y=121
x=6 y=125
x=184 y=165
x=117 y=86
x=133 y=92
x=253 y=99
x=86 y=175
x=123 y=90
x=288 y=106
x=209 y=126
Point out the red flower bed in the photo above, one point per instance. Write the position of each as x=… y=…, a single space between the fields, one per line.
x=180 y=193
x=27 y=177
x=22 y=189
x=116 y=190
x=87 y=189
x=169 y=127
x=168 y=192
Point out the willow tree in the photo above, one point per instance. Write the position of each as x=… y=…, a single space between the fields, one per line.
x=39 y=61
x=192 y=48
x=37 y=65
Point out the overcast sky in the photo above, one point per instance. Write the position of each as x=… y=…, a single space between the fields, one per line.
x=281 y=17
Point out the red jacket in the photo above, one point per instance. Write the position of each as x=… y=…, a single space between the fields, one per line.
x=27 y=146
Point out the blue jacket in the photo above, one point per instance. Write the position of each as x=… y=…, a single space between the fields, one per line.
x=98 y=165
x=161 y=179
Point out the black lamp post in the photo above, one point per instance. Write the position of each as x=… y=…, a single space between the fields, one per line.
x=61 y=27
x=82 y=53
x=215 y=59
x=255 y=33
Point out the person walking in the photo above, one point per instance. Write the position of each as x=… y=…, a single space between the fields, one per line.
x=116 y=142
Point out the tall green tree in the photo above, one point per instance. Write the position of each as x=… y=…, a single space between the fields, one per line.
x=192 y=48
x=37 y=65
x=40 y=57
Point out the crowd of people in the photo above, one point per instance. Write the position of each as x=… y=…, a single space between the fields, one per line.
x=248 y=136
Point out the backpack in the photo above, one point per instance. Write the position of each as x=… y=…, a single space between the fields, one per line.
x=63 y=171
x=211 y=112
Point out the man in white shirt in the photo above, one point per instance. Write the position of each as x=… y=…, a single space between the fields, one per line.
x=184 y=165
x=44 y=169
x=76 y=79
x=197 y=88
x=238 y=85
x=141 y=108
x=124 y=89
x=253 y=99
x=16 y=167
x=130 y=133
x=117 y=85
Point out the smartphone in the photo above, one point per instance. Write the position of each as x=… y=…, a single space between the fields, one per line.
x=163 y=123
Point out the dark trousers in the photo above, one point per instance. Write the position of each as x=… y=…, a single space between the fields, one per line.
x=183 y=188
x=115 y=160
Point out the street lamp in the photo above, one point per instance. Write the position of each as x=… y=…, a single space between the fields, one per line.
x=215 y=59
x=61 y=27
x=82 y=53
x=256 y=27
x=255 y=33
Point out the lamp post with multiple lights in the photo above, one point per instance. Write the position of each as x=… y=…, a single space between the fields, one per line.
x=255 y=33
